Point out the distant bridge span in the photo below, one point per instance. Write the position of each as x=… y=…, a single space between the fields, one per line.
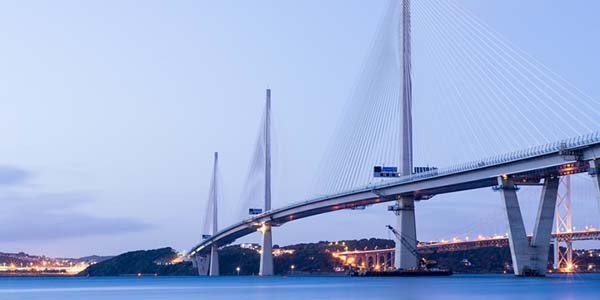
x=383 y=258
x=527 y=167
x=497 y=241
x=458 y=245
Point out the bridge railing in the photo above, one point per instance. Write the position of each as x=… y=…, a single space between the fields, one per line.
x=566 y=144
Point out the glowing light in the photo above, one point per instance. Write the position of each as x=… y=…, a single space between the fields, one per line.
x=281 y=252
x=263 y=228
x=569 y=268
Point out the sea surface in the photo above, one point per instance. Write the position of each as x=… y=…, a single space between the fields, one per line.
x=487 y=287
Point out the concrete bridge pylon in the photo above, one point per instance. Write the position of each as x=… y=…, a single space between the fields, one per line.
x=405 y=207
x=529 y=258
x=266 y=256
x=214 y=250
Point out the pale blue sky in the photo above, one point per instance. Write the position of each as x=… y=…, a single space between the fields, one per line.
x=111 y=111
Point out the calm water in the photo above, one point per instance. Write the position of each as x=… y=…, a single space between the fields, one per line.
x=246 y=288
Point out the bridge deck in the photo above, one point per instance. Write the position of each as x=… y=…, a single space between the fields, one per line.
x=530 y=165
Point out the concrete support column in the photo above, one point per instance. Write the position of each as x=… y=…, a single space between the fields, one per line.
x=404 y=257
x=517 y=237
x=266 y=255
x=542 y=232
x=201 y=263
x=529 y=259
x=556 y=253
x=214 y=260
x=595 y=172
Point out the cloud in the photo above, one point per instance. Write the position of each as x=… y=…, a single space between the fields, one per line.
x=51 y=226
x=54 y=216
x=43 y=202
x=10 y=175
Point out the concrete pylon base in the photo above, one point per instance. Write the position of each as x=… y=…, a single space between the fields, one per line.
x=214 y=260
x=201 y=263
x=595 y=171
x=404 y=258
x=266 y=254
x=529 y=259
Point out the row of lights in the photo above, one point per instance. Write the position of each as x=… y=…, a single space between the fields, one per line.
x=238 y=269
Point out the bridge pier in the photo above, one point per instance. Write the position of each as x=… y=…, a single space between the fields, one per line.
x=404 y=257
x=201 y=264
x=595 y=173
x=214 y=260
x=529 y=258
x=266 y=254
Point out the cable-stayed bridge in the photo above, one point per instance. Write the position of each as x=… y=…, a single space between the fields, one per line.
x=516 y=103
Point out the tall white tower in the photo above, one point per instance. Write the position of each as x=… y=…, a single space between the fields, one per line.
x=266 y=254
x=214 y=249
x=405 y=208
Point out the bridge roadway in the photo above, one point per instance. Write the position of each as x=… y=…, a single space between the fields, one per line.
x=527 y=167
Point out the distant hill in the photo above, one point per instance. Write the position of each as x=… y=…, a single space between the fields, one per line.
x=317 y=258
x=22 y=258
x=312 y=258
x=23 y=264
x=94 y=258
x=155 y=262
x=307 y=258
